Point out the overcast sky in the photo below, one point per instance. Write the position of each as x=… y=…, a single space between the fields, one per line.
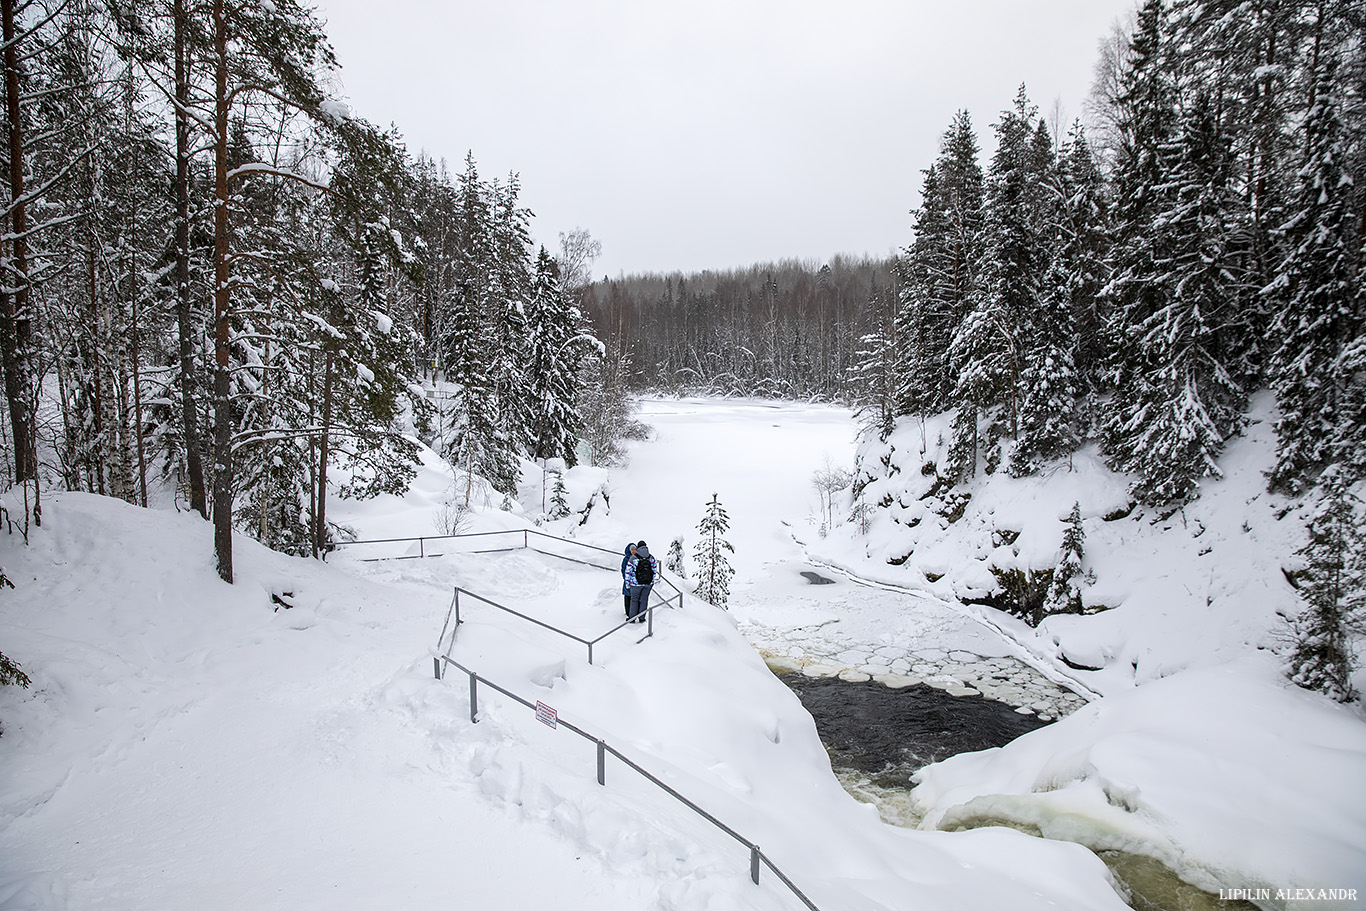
x=709 y=134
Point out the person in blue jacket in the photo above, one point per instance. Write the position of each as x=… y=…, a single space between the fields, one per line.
x=640 y=576
x=625 y=586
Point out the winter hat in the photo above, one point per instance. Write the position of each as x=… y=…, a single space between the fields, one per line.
x=642 y=551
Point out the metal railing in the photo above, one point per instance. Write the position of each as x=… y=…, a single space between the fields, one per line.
x=757 y=858
x=454 y=611
x=526 y=535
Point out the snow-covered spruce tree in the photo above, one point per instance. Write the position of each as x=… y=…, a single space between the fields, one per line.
x=1046 y=426
x=1189 y=403
x=1257 y=60
x=559 y=498
x=989 y=346
x=1174 y=399
x=713 y=568
x=479 y=442
x=509 y=299
x=1017 y=255
x=1064 y=592
x=1077 y=273
x=1144 y=111
x=1333 y=587
x=674 y=561
x=872 y=378
x=556 y=344
x=1320 y=303
x=941 y=273
x=324 y=379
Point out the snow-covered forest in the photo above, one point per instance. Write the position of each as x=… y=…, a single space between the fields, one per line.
x=220 y=278
x=1092 y=444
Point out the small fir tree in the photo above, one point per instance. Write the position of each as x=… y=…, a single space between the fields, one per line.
x=559 y=502
x=713 y=569
x=674 y=561
x=1332 y=588
x=1064 y=593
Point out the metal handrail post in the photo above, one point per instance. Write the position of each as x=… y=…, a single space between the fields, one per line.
x=602 y=762
x=754 y=863
x=474 y=698
x=590 y=653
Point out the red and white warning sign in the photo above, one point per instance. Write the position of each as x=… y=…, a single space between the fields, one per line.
x=546 y=715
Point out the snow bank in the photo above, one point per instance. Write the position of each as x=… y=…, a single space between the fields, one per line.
x=1195 y=588
x=1227 y=775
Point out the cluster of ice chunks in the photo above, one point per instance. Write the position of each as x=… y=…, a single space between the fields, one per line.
x=959 y=673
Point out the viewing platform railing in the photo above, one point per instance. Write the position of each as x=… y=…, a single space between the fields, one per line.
x=539 y=541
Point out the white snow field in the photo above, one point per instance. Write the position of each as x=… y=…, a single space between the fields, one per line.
x=184 y=744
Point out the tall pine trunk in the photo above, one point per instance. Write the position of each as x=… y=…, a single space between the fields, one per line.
x=188 y=411
x=16 y=329
x=222 y=306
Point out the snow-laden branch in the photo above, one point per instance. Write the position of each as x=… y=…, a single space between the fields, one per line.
x=276 y=171
x=34 y=194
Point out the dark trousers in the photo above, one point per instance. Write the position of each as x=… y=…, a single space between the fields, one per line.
x=639 y=600
x=626 y=598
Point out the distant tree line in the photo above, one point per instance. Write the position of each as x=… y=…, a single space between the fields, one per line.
x=217 y=278
x=784 y=330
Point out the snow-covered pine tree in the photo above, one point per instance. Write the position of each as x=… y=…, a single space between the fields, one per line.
x=674 y=561
x=1333 y=588
x=714 y=571
x=1320 y=301
x=274 y=57
x=1064 y=592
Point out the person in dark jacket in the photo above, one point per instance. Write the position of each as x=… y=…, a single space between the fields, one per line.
x=625 y=586
x=641 y=571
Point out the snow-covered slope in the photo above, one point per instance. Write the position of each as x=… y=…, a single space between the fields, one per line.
x=184 y=744
x=1193 y=588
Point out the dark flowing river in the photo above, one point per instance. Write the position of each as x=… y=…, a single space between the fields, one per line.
x=887 y=734
x=878 y=736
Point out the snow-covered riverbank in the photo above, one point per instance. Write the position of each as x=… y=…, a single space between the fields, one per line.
x=186 y=744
